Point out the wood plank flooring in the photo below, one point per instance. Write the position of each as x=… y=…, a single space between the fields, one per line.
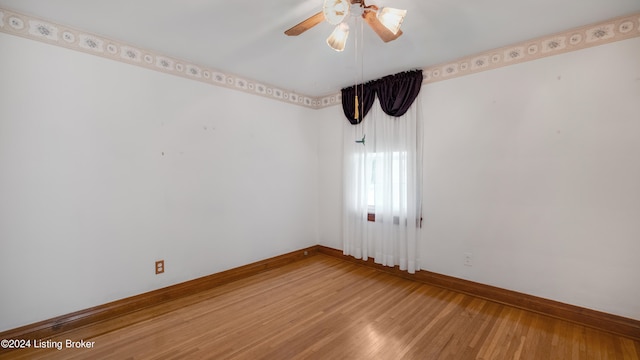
x=326 y=308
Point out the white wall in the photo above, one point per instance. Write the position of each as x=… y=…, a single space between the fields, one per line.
x=330 y=147
x=106 y=167
x=534 y=169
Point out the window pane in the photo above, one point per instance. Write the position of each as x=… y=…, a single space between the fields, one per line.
x=395 y=163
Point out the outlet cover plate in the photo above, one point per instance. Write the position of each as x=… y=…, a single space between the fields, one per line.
x=159 y=267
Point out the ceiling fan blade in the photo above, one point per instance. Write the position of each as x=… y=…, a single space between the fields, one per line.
x=385 y=34
x=306 y=24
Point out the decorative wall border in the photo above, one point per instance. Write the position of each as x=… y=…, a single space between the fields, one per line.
x=617 y=29
x=51 y=33
x=621 y=28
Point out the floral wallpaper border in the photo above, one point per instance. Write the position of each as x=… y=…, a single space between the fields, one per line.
x=45 y=31
x=617 y=29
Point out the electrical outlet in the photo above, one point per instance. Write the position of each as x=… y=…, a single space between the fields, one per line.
x=468 y=259
x=159 y=267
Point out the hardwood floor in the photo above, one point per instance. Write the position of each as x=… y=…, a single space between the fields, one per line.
x=325 y=308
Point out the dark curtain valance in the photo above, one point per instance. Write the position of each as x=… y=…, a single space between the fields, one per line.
x=395 y=92
x=366 y=97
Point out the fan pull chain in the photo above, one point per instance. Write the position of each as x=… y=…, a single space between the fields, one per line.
x=357 y=105
x=361 y=57
x=362 y=67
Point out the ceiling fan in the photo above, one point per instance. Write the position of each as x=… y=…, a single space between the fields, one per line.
x=385 y=21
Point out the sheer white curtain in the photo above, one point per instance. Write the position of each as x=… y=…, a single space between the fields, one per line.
x=384 y=177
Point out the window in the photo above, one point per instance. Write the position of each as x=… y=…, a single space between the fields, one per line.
x=383 y=177
x=386 y=169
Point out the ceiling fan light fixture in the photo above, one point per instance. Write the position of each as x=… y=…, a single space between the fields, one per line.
x=335 y=11
x=338 y=37
x=391 y=18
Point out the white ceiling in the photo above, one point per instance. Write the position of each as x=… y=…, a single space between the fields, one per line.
x=246 y=37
